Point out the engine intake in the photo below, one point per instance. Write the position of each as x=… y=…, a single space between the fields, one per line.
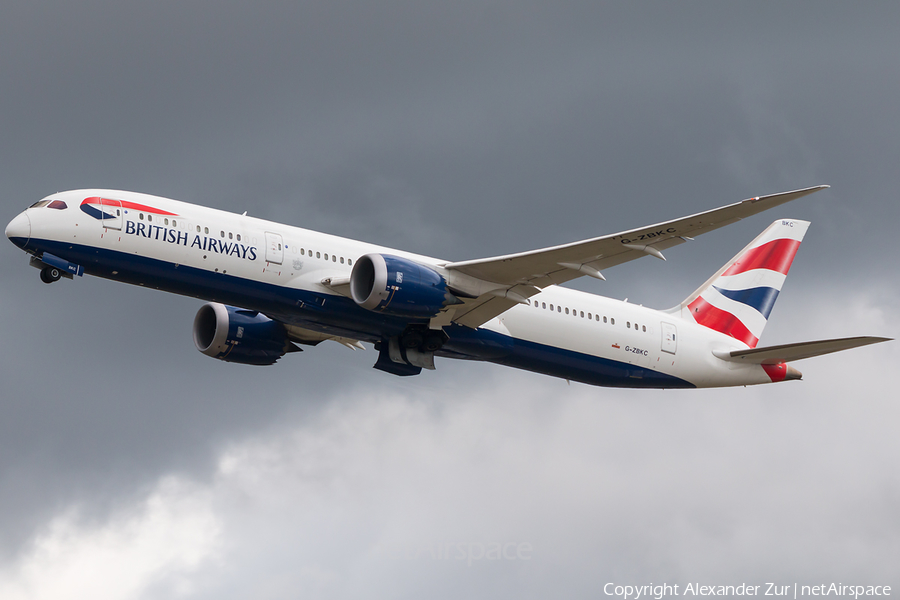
x=398 y=286
x=240 y=336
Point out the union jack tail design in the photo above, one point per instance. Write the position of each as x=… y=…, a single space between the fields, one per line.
x=738 y=299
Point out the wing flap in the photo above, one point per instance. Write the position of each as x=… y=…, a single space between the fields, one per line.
x=482 y=311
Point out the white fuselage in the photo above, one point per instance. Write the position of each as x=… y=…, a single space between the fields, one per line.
x=279 y=270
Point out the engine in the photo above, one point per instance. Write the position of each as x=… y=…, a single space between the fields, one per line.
x=398 y=286
x=241 y=336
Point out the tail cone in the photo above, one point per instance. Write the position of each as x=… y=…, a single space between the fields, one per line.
x=781 y=372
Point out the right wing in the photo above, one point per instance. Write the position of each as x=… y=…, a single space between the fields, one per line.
x=516 y=277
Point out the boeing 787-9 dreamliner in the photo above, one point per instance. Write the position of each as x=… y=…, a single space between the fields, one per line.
x=272 y=288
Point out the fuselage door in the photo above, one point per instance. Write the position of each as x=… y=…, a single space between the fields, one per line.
x=668 y=337
x=111 y=216
x=274 y=248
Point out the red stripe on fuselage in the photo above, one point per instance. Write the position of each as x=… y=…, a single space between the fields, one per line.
x=724 y=322
x=776 y=255
x=126 y=204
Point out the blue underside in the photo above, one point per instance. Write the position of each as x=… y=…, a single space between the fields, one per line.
x=337 y=315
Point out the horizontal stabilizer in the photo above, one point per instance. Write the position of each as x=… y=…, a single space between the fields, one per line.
x=774 y=355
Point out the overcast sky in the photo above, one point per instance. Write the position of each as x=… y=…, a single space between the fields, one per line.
x=132 y=466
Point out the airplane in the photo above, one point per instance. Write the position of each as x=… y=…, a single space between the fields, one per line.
x=272 y=288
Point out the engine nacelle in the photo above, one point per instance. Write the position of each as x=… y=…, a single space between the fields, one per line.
x=241 y=336
x=398 y=286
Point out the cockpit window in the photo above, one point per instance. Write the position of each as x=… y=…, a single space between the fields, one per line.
x=39 y=204
x=58 y=205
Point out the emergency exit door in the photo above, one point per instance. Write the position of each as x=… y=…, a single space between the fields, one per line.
x=669 y=343
x=274 y=248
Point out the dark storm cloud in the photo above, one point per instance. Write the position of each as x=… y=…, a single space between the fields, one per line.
x=456 y=130
x=469 y=109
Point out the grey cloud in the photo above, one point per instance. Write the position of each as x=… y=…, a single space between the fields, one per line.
x=459 y=131
x=786 y=483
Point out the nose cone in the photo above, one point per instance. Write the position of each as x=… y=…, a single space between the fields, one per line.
x=19 y=230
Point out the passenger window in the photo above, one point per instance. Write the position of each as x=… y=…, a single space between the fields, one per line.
x=558 y=309
x=551 y=307
x=644 y=328
x=174 y=224
x=206 y=230
x=142 y=216
x=198 y=229
x=628 y=324
x=612 y=321
x=229 y=235
x=166 y=221
x=349 y=262
x=149 y=217
x=222 y=233
x=582 y=314
x=238 y=237
x=567 y=310
x=543 y=305
x=342 y=260
x=326 y=256
x=318 y=255
x=302 y=252
x=589 y=317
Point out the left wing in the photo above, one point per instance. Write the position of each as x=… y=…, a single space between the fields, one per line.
x=301 y=335
x=774 y=355
x=514 y=278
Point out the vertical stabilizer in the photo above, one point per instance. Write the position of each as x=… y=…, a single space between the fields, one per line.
x=737 y=300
